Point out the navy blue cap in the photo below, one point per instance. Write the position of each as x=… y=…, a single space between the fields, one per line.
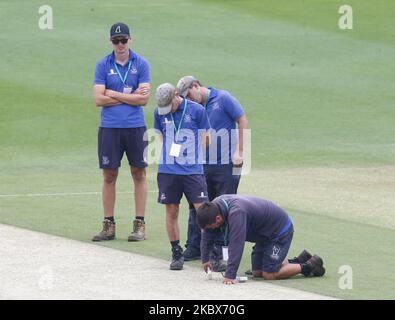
x=119 y=29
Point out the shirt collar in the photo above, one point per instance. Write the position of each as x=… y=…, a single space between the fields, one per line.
x=132 y=56
x=180 y=107
x=222 y=207
x=213 y=94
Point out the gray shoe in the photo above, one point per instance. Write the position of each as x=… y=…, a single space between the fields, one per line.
x=108 y=232
x=177 y=262
x=138 y=233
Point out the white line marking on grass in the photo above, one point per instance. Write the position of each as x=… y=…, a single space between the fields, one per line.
x=63 y=194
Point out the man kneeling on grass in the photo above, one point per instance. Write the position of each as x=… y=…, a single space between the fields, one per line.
x=244 y=218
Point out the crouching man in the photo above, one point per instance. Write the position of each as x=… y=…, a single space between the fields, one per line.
x=244 y=218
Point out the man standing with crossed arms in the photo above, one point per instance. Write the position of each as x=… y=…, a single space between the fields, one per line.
x=121 y=88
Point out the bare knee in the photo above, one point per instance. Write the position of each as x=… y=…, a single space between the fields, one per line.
x=138 y=174
x=172 y=211
x=269 y=275
x=110 y=176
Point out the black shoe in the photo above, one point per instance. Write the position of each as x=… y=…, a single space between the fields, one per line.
x=303 y=257
x=191 y=254
x=177 y=262
x=317 y=266
x=248 y=273
x=218 y=265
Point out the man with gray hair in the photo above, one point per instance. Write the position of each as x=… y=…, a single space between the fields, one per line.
x=183 y=126
x=226 y=115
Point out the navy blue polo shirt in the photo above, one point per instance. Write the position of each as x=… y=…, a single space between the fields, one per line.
x=223 y=110
x=194 y=122
x=248 y=219
x=122 y=115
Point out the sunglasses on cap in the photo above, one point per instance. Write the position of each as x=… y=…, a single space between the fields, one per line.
x=117 y=41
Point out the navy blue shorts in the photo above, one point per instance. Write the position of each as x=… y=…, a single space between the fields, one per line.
x=114 y=142
x=219 y=180
x=269 y=256
x=172 y=186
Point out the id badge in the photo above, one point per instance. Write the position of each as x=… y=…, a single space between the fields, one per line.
x=127 y=90
x=225 y=255
x=175 y=150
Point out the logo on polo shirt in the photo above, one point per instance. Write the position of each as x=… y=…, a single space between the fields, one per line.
x=215 y=106
x=167 y=121
x=112 y=72
x=133 y=70
x=187 y=118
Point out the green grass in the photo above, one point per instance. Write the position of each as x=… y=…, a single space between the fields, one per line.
x=319 y=102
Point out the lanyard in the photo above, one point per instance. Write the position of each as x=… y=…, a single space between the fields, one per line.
x=177 y=130
x=225 y=229
x=123 y=79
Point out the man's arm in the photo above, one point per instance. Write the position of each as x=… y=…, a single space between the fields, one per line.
x=157 y=126
x=204 y=129
x=205 y=138
x=160 y=134
x=238 y=156
x=207 y=243
x=139 y=97
x=101 y=100
x=237 y=237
